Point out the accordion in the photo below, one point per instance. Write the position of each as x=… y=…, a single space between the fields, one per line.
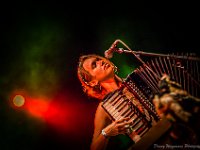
x=134 y=98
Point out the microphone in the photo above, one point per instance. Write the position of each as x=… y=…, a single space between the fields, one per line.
x=109 y=53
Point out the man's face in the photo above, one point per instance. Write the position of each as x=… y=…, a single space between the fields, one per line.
x=100 y=69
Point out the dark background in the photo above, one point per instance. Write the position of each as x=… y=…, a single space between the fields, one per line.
x=40 y=46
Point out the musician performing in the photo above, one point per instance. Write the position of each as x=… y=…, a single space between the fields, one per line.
x=133 y=112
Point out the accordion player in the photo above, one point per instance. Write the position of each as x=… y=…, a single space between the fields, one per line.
x=130 y=99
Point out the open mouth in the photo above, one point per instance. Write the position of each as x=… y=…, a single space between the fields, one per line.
x=106 y=66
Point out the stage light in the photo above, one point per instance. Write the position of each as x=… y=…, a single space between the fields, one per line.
x=18 y=100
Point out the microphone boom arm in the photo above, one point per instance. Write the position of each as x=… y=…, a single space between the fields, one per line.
x=138 y=53
x=121 y=50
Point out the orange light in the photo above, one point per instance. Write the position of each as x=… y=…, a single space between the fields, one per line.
x=18 y=100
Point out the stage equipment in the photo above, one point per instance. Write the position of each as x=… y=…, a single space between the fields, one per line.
x=142 y=84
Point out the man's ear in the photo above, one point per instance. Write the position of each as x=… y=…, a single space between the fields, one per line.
x=93 y=83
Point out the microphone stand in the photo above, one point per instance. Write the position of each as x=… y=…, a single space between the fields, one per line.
x=138 y=53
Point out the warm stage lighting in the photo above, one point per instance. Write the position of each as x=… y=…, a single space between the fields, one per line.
x=57 y=112
x=18 y=100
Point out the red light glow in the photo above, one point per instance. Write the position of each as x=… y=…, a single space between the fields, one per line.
x=62 y=113
x=37 y=107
